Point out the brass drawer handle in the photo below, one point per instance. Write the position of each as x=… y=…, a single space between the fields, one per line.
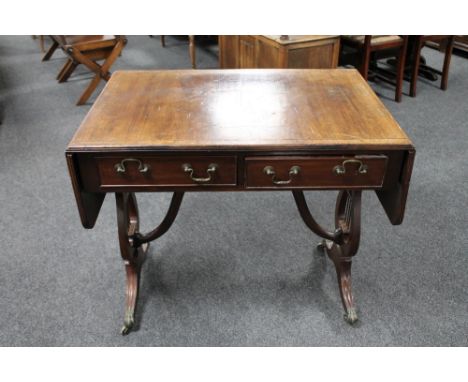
x=142 y=167
x=187 y=167
x=270 y=171
x=341 y=168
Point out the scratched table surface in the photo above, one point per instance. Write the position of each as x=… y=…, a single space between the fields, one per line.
x=238 y=109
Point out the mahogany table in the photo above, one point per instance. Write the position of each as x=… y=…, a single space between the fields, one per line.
x=239 y=130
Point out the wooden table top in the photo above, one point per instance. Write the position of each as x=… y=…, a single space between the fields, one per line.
x=238 y=110
x=296 y=39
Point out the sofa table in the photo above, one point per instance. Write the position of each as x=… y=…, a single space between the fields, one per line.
x=239 y=130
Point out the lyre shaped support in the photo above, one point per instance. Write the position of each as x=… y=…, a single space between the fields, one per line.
x=341 y=245
x=134 y=245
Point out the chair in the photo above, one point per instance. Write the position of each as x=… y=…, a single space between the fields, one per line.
x=41 y=41
x=367 y=45
x=87 y=50
x=419 y=43
x=191 y=48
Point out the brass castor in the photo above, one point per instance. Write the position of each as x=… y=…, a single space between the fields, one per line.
x=351 y=316
x=322 y=245
x=128 y=324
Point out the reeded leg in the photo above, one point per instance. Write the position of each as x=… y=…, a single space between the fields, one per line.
x=134 y=245
x=127 y=220
x=343 y=273
x=132 y=270
x=340 y=245
x=347 y=218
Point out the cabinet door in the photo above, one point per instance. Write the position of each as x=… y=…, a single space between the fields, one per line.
x=268 y=55
x=320 y=55
x=229 y=52
x=247 y=52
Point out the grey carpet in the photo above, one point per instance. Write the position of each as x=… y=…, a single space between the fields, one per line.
x=236 y=268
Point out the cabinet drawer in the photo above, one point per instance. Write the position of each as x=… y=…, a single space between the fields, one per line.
x=141 y=170
x=366 y=171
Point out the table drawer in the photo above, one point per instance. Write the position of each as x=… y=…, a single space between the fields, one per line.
x=365 y=171
x=141 y=170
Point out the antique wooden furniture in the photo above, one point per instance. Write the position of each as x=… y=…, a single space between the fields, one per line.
x=87 y=50
x=460 y=44
x=366 y=45
x=41 y=39
x=305 y=51
x=191 y=48
x=239 y=130
x=416 y=63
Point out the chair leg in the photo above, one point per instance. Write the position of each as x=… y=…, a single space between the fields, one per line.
x=42 y=43
x=69 y=72
x=416 y=61
x=51 y=51
x=111 y=58
x=445 y=70
x=163 y=40
x=401 y=69
x=192 y=50
x=89 y=90
x=64 y=69
x=364 y=68
x=102 y=72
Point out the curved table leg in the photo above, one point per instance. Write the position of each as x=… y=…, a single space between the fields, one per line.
x=134 y=246
x=343 y=244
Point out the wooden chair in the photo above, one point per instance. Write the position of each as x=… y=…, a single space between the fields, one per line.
x=366 y=45
x=41 y=41
x=87 y=50
x=191 y=48
x=419 y=43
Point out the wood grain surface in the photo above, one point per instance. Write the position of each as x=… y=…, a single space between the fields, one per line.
x=238 y=109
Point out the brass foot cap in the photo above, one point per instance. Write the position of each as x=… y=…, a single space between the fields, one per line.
x=351 y=316
x=322 y=245
x=128 y=325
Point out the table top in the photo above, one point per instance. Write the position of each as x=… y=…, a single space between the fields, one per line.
x=238 y=110
x=296 y=39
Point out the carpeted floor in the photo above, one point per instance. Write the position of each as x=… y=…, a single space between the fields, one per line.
x=236 y=269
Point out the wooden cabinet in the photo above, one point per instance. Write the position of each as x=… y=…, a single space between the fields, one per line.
x=304 y=51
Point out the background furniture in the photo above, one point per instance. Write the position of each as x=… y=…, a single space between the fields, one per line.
x=41 y=41
x=416 y=64
x=191 y=48
x=255 y=51
x=460 y=45
x=280 y=130
x=87 y=50
x=365 y=46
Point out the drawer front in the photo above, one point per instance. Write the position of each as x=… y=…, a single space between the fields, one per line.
x=140 y=170
x=326 y=172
